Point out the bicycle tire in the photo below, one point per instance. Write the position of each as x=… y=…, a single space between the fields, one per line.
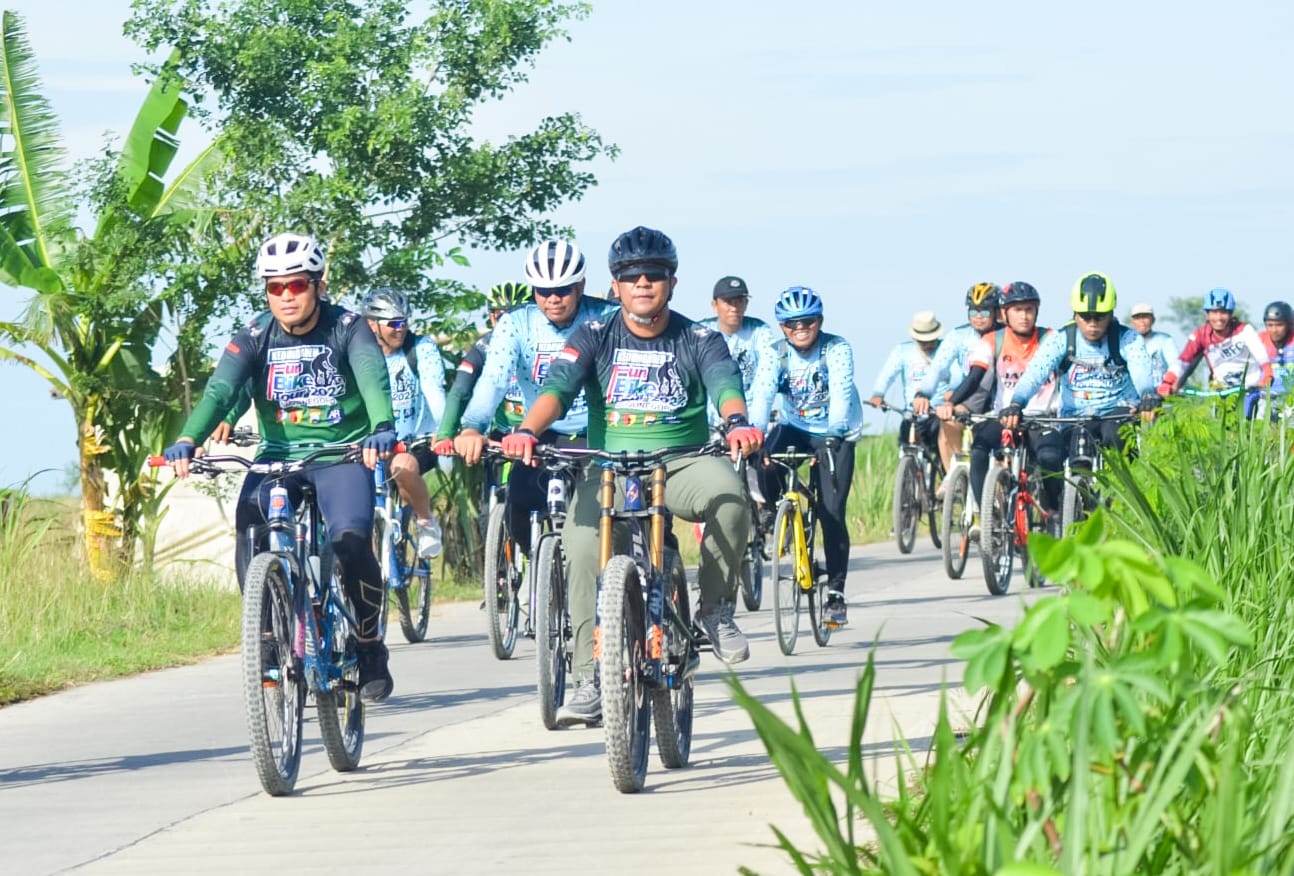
x=498 y=585
x=955 y=522
x=1036 y=523
x=752 y=570
x=786 y=590
x=340 y=710
x=818 y=614
x=997 y=530
x=1072 y=509
x=413 y=597
x=933 y=512
x=672 y=707
x=273 y=697
x=382 y=552
x=907 y=504
x=626 y=707
x=551 y=653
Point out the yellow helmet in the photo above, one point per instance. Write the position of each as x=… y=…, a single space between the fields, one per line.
x=983 y=295
x=1093 y=293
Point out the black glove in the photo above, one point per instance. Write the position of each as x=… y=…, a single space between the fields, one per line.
x=179 y=450
x=1149 y=401
x=383 y=441
x=1011 y=410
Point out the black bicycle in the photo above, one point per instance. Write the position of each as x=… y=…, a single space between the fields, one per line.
x=916 y=482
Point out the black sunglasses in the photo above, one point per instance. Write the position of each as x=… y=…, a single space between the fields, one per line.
x=802 y=323
x=653 y=275
x=560 y=291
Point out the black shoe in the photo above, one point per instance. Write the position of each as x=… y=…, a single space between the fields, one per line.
x=375 y=682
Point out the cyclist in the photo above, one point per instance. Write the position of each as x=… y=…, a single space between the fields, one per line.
x=1101 y=367
x=1003 y=355
x=1278 y=340
x=817 y=406
x=318 y=376
x=908 y=363
x=1160 y=345
x=949 y=365
x=525 y=343
x=649 y=373
x=417 y=375
x=1231 y=349
x=750 y=340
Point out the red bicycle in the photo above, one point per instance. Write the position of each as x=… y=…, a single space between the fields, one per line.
x=1009 y=511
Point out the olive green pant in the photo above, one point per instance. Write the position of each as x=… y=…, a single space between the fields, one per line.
x=698 y=489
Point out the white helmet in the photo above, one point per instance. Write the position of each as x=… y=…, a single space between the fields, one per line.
x=289 y=253
x=553 y=264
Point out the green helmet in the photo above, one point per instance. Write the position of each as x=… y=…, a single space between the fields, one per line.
x=1093 y=293
x=506 y=296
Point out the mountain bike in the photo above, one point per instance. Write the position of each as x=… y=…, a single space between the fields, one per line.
x=644 y=641
x=1010 y=510
x=915 y=484
x=1079 y=497
x=395 y=544
x=504 y=568
x=959 y=506
x=297 y=627
x=752 y=561
x=796 y=571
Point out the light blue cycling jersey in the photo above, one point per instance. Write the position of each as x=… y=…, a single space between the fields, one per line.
x=1163 y=352
x=417 y=400
x=525 y=342
x=909 y=365
x=814 y=391
x=751 y=347
x=1092 y=385
x=948 y=368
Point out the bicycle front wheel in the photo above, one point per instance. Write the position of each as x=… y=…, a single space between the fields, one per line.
x=274 y=693
x=752 y=570
x=502 y=580
x=626 y=707
x=339 y=709
x=786 y=589
x=672 y=705
x=907 y=503
x=1072 y=509
x=997 y=531
x=551 y=626
x=933 y=480
x=413 y=596
x=956 y=522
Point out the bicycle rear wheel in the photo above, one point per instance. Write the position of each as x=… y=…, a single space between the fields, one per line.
x=340 y=710
x=907 y=503
x=1072 y=505
x=786 y=590
x=551 y=655
x=997 y=530
x=274 y=693
x=672 y=706
x=501 y=582
x=934 y=479
x=956 y=521
x=818 y=613
x=752 y=570
x=626 y=707
x=413 y=596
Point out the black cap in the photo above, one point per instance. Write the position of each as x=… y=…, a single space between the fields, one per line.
x=731 y=287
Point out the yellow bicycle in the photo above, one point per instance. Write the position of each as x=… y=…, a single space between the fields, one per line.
x=796 y=570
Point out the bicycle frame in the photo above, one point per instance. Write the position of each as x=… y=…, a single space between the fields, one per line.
x=802 y=520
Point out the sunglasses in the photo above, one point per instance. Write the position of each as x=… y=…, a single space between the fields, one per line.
x=653 y=275
x=296 y=287
x=979 y=311
x=560 y=291
x=395 y=324
x=806 y=322
x=1093 y=317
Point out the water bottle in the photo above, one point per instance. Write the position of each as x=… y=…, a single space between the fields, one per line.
x=280 y=539
x=556 y=496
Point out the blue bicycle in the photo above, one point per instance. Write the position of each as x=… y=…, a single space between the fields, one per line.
x=395 y=544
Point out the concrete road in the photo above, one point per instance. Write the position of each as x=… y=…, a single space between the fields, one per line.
x=151 y=774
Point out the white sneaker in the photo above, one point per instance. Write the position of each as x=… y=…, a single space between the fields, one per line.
x=429 y=544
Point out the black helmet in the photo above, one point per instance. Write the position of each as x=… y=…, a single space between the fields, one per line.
x=1279 y=311
x=642 y=246
x=1018 y=293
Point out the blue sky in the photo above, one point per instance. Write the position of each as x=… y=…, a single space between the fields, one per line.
x=886 y=154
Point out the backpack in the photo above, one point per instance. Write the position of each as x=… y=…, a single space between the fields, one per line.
x=1113 y=357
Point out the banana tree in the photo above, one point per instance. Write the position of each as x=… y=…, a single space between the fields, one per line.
x=98 y=301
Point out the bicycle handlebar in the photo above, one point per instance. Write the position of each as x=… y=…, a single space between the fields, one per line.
x=214 y=465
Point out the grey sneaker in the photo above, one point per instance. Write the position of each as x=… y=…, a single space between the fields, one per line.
x=728 y=641
x=429 y=538
x=584 y=705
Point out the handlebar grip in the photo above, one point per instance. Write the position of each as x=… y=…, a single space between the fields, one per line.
x=157 y=461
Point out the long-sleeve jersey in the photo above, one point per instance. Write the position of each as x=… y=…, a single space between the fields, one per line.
x=1004 y=356
x=1093 y=384
x=1236 y=358
x=524 y=344
x=948 y=368
x=1163 y=352
x=1282 y=360
x=417 y=399
x=909 y=365
x=329 y=385
x=814 y=391
x=644 y=393
x=751 y=347
x=506 y=416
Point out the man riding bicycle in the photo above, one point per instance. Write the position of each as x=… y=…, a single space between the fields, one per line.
x=949 y=366
x=318 y=376
x=648 y=373
x=525 y=342
x=1278 y=340
x=1101 y=367
x=817 y=407
x=750 y=340
x=1160 y=345
x=1230 y=347
x=417 y=374
x=909 y=363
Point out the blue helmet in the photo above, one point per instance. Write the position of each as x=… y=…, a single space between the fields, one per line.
x=1219 y=299
x=797 y=302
